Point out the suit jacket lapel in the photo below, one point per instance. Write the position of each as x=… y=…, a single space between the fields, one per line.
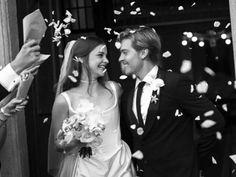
x=153 y=110
x=131 y=115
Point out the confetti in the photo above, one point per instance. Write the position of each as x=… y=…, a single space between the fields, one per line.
x=138 y=155
x=61 y=26
x=122 y=8
x=193 y=4
x=228 y=24
x=208 y=113
x=216 y=24
x=117 y=12
x=169 y=70
x=118 y=45
x=197 y=118
x=132 y=3
x=137 y=9
x=192 y=88
x=46 y=20
x=233 y=157
x=218 y=97
x=45 y=120
x=186 y=66
x=75 y=73
x=180 y=8
x=218 y=135
x=166 y=54
x=73 y=79
x=208 y=123
x=178 y=113
x=116 y=33
x=229 y=83
x=209 y=71
x=224 y=107
x=133 y=126
x=202 y=87
x=213 y=160
x=133 y=13
x=152 y=13
x=123 y=77
x=158 y=117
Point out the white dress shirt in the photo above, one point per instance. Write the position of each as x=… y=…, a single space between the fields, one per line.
x=9 y=78
x=146 y=94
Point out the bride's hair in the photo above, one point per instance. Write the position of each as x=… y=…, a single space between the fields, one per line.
x=74 y=52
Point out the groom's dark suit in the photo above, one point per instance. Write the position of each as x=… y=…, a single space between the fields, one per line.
x=167 y=143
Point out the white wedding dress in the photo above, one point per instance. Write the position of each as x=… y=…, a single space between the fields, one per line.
x=112 y=157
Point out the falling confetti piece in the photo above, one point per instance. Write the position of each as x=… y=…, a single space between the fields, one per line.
x=213 y=160
x=116 y=33
x=132 y=3
x=60 y=56
x=233 y=157
x=169 y=70
x=216 y=24
x=46 y=20
x=75 y=73
x=178 y=113
x=133 y=126
x=152 y=13
x=193 y=4
x=218 y=97
x=202 y=87
x=208 y=113
x=166 y=54
x=228 y=24
x=192 y=88
x=45 y=120
x=117 y=12
x=208 y=123
x=229 y=83
x=209 y=71
x=122 y=8
x=224 y=107
x=83 y=37
x=197 y=118
x=158 y=117
x=118 y=45
x=137 y=9
x=134 y=76
x=186 y=66
x=123 y=77
x=73 y=79
x=133 y=13
x=96 y=1
x=218 y=135
x=138 y=155
x=180 y=8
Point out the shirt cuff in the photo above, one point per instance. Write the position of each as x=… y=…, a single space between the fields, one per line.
x=9 y=78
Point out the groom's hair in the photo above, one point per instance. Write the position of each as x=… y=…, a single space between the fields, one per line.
x=144 y=37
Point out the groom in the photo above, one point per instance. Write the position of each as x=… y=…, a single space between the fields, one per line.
x=160 y=111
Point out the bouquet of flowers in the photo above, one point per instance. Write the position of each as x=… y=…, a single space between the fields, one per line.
x=85 y=126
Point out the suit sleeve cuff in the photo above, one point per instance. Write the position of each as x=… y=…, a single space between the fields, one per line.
x=9 y=78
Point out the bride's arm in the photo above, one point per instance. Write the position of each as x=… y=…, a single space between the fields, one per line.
x=59 y=113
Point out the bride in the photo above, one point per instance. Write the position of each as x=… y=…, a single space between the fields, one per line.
x=83 y=82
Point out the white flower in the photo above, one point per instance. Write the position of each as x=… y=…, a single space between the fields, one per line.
x=156 y=84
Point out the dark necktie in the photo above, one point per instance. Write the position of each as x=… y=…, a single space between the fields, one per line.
x=138 y=106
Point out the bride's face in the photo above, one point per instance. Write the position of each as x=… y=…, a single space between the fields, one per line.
x=98 y=61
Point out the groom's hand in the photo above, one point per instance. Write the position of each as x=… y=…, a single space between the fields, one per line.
x=27 y=56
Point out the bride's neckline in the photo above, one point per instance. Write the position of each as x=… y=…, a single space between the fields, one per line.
x=87 y=82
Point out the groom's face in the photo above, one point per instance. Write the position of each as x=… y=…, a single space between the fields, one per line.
x=129 y=59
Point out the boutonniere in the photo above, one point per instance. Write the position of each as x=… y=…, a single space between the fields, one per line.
x=156 y=84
